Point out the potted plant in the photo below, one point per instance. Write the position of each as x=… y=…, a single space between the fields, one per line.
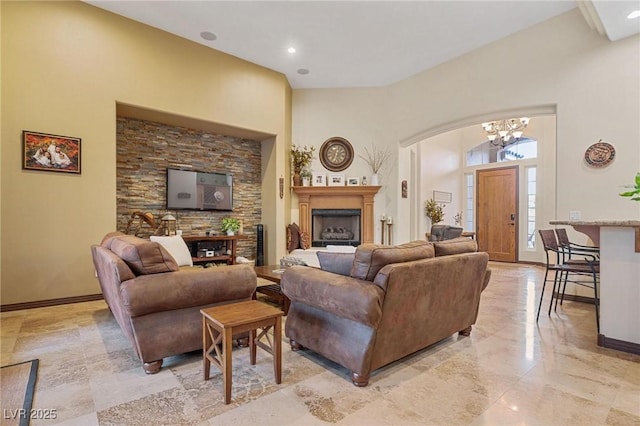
x=635 y=190
x=375 y=159
x=301 y=157
x=230 y=225
x=434 y=211
x=306 y=175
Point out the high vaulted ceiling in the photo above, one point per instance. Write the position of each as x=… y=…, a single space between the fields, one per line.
x=359 y=43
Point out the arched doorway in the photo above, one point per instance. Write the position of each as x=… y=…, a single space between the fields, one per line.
x=440 y=161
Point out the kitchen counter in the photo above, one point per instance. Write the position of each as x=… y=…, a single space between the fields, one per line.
x=592 y=228
x=619 y=242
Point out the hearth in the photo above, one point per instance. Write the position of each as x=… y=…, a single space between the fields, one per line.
x=335 y=227
x=338 y=197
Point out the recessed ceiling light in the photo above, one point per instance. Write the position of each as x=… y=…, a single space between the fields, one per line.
x=291 y=50
x=303 y=71
x=633 y=15
x=208 y=35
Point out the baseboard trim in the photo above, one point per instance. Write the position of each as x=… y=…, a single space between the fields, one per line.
x=618 y=345
x=50 y=302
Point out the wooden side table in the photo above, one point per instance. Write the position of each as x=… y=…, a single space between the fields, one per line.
x=220 y=323
x=273 y=291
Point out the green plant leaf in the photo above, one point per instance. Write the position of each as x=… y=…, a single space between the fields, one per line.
x=635 y=193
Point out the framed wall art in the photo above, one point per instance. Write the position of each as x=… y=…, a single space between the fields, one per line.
x=442 y=196
x=51 y=153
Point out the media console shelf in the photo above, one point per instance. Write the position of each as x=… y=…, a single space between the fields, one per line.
x=227 y=243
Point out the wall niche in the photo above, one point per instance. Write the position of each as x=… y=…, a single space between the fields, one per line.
x=144 y=151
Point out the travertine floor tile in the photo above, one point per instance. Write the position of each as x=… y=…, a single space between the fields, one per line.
x=511 y=370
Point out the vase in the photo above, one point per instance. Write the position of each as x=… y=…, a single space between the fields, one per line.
x=231 y=233
x=374 y=179
x=306 y=181
x=296 y=179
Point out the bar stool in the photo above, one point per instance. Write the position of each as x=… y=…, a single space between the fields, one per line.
x=586 y=274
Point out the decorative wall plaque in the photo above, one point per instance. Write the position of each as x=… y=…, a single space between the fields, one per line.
x=599 y=154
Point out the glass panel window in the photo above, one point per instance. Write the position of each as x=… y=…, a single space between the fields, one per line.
x=469 y=203
x=487 y=153
x=531 y=207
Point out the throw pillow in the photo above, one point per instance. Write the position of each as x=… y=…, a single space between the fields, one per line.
x=305 y=240
x=142 y=256
x=176 y=246
x=293 y=237
x=370 y=258
x=455 y=246
x=338 y=263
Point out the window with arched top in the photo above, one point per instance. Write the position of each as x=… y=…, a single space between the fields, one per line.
x=489 y=152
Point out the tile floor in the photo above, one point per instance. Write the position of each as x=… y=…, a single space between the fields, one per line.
x=509 y=371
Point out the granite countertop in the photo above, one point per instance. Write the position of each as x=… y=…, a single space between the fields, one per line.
x=623 y=223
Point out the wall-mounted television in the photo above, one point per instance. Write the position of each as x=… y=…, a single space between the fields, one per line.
x=192 y=190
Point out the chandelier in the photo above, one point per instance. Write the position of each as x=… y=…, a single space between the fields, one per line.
x=505 y=132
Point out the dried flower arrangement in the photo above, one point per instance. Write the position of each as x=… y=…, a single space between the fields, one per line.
x=375 y=158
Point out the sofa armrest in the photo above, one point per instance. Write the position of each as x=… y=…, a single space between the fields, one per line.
x=147 y=294
x=346 y=297
x=487 y=277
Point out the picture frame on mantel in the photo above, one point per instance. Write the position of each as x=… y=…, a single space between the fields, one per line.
x=319 y=179
x=50 y=153
x=336 y=179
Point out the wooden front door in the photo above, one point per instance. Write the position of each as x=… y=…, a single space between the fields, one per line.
x=497 y=213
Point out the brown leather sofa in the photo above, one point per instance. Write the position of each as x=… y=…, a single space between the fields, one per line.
x=391 y=302
x=156 y=303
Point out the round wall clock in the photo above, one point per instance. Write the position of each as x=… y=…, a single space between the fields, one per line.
x=336 y=154
x=599 y=154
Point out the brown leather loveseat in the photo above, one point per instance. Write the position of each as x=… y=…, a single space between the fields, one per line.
x=156 y=303
x=391 y=302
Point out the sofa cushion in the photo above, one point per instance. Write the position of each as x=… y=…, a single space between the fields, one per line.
x=370 y=258
x=455 y=246
x=143 y=256
x=338 y=263
x=108 y=239
x=176 y=246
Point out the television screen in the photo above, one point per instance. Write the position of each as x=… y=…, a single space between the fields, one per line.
x=191 y=190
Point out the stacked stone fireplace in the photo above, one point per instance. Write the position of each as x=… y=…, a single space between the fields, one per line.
x=337 y=215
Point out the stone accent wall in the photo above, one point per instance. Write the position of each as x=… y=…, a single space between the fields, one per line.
x=144 y=151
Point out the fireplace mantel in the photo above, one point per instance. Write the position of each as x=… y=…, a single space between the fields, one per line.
x=338 y=197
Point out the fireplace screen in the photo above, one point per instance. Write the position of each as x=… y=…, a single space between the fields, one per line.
x=335 y=227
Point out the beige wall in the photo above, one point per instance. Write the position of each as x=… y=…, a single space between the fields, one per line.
x=358 y=115
x=64 y=67
x=560 y=65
